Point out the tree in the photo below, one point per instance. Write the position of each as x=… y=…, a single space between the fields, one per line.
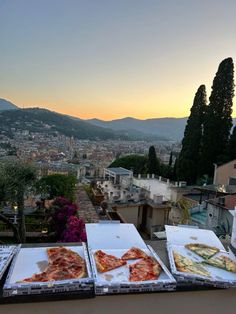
x=153 y=164
x=188 y=161
x=58 y=185
x=16 y=179
x=218 y=121
x=232 y=145
x=136 y=163
x=171 y=159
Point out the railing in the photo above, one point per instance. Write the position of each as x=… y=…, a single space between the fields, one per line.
x=157 y=177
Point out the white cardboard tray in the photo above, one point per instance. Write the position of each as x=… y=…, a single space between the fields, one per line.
x=113 y=236
x=116 y=238
x=121 y=274
x=117 y=280
x=28 y=261
x=178 y=237
x=218 y=277
x=182 y=236
x=6 y=255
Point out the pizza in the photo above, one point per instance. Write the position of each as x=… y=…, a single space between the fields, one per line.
x=223 y=262
x=202 y=250
x=63 y=264
x=106 y=262
x=145 y=269
x=185 y=264
x=134 y=253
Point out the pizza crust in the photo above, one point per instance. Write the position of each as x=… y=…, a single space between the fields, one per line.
x=99 y=266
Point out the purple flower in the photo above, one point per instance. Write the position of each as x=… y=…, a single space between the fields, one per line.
x=68 y=226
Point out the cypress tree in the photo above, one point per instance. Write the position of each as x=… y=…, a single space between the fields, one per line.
x=232 y=145
x=188 y=161
x=171 y=159
x=218 y=121
x=153 y=164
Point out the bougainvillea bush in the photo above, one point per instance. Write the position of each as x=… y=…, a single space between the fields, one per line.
x=66 y=223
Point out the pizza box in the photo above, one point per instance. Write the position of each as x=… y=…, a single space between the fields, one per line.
x=177 y=237
x=6 y=254
x=182 y=236
x=116 y=239
x=113 y=235
x=31 y=260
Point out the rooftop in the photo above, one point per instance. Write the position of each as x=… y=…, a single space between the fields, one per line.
x=119 y=171
x=229 y=202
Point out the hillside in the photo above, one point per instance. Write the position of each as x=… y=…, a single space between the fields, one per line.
x=172 y=128
x=6 y=105
x=42 y=120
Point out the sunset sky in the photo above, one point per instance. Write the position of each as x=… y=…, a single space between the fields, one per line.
x=113 y=58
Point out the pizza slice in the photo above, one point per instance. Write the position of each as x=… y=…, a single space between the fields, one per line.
x=185 y=264
x=145 y=269
x=40 y=277
x=106 y=262
x=223 y=262
x=134 y=253
x=202 y=250
x=63 y=264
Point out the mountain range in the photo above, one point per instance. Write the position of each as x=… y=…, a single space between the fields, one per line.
x=164 y=129
x=171 y=128
x=35 y=119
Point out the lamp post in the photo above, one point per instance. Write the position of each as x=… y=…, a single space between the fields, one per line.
x=15 y=207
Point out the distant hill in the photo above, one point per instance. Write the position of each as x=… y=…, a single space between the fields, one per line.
x=172 y=128
x=125 y=132
x=6 y=105
x=42 y=120
x=36 y=119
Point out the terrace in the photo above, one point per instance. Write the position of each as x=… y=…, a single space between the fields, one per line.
x=187 y=300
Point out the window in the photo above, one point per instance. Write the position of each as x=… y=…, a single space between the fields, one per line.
x=232 y=181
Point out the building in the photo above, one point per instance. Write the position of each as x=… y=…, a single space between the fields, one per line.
x=225 y=176
x=219 y=214
x=116 y=174
x=131 y=203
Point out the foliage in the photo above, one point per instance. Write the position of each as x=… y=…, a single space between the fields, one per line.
x=58 y=185
x=232 y=145
x=166 y=171
x=184 y=206
x=65 y=222
x=170 y=159
x=35 y=120
x=153 y=164
x=16 y=178
x=218 y=121
x=188 y=161
x=137 y=163
x=74 y=231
